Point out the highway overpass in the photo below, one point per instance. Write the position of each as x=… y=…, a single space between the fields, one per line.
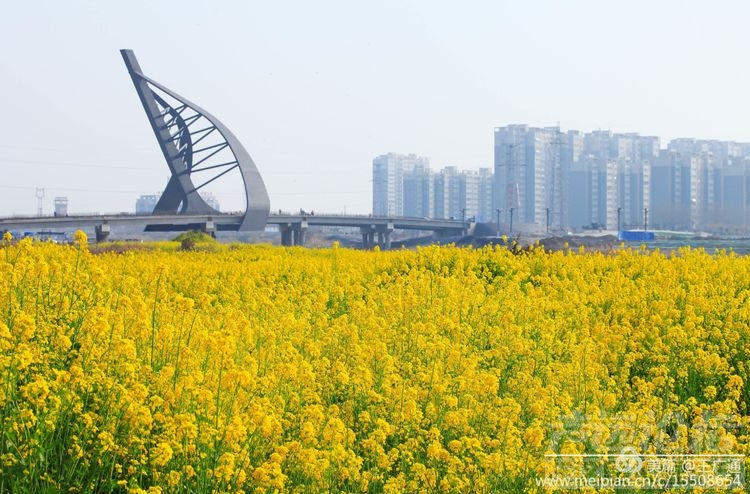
x=292 y=227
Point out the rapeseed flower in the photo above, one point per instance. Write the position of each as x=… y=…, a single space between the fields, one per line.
x=285 y=369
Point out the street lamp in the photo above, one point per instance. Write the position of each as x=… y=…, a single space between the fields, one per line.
x=511 y=220
x=498 y=221
x=547 y=209
x=619 y=212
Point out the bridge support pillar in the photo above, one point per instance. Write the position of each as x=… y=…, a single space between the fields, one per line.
x=384 y=235
x=102 y=232
x=300 y=233
x=209 y=227
x=293 y=233
x=286 y=235
x=298 y=236
x=368 y=237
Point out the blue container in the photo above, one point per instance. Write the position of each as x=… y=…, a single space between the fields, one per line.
x=636 y=236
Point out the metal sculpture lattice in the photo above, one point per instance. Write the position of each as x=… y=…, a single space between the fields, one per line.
x=196 y=144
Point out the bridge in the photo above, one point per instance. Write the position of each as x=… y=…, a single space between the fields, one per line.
x=196 y=145
x=375 y=230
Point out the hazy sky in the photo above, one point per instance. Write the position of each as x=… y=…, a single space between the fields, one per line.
x=316 y=89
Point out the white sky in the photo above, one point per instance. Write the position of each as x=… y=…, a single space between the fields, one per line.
x=316 y=89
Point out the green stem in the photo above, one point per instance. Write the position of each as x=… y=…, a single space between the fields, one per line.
x=153 y=319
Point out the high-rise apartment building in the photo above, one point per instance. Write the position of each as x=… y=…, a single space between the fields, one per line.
x=419 y=192
x=530 y=167
x=485 y=196
x=617 y=174
x=576 y=180
x=404 y=185
x=511 y=169
x=734 y=208
x=571 y=179
x=449 y=202
x=388 y=181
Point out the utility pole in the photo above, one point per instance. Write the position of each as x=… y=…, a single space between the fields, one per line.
x=619 y=212
x=498 y=222
x=645 y=219
x=555 y=196
x=510 y=172
x=512 y=143
x=511 y=220
x=39 y=201
x=547 y=209
x=512 y=193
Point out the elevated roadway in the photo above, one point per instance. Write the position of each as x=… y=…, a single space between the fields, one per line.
x=374 y=229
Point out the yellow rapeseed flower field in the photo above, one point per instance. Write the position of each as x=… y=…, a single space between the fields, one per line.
x=269 y=369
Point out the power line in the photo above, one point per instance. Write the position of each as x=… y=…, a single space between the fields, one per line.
x=317 y=193
x=111 y=191
x=79 y=165
x=67 y=189
x=62 y=150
